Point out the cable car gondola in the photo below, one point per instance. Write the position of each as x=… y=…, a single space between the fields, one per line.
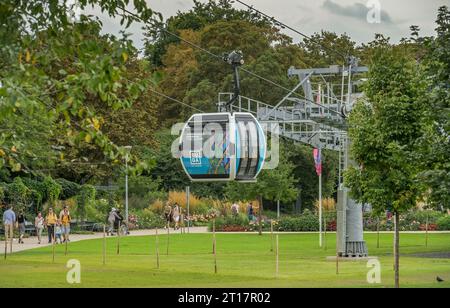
x=224 y=146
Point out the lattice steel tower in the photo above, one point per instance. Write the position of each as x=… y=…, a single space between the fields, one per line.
x=318 y=118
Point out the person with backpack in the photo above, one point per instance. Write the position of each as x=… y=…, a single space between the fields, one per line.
x=65 y=219
x=22 y=227
x=50 y=221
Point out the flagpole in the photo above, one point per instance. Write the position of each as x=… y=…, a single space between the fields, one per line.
x=318 y=163
x=320 y=209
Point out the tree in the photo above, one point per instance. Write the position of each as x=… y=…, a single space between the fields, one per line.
x=53 y=70
x=383 y=130
x=85 y=198
x=200 y=16
x=434 y=152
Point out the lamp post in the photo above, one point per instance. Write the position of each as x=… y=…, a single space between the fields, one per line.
x=128 y=148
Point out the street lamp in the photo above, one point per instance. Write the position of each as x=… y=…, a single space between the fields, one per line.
x=128 y=148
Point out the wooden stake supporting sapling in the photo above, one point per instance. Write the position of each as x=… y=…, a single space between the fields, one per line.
x=104 y=244
x=214 y=245
x=157 y=248
x=11 y=239
x=6 y=239
x=277 y=258
x=271 y=236
x=54 y=242
x=378 y=232
x=426 y=231
x=118 y=239
x=168 y=239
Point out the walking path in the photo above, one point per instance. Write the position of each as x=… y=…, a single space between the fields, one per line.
x=31 y=242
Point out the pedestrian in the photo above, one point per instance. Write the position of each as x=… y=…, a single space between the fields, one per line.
x=118 y=220
x=168 y=214
x=58 y=232
x=39 y=222
x=50 y=221
x=112 y=219
x=9 y=219
x=176 y=213
x=21 y=224
x=235 y=209
x=65 y=219
x=250 y=211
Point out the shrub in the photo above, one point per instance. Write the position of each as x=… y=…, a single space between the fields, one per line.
x=157 y=207
x=307 y=222
x=443 y=224
x=231 y=223
x=147 y=219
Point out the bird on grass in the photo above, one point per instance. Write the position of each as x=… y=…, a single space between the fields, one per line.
x=439 y=279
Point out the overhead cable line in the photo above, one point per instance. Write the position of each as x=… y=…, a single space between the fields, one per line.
x=162 y=28
x=284 y=26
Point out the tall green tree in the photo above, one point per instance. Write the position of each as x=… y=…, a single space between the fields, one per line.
x=434 y=154
x=200 y=16
x=53 y=69
x=384 y=128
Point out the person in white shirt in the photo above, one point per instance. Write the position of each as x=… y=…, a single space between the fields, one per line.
x=235 y=209
x=39 y=223
x=176 y=213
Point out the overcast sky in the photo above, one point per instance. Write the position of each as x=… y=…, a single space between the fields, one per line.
x=309 y=16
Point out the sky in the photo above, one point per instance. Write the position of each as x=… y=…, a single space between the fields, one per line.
x=310 y=16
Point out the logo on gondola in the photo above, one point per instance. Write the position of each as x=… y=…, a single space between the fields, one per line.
x=196 y=158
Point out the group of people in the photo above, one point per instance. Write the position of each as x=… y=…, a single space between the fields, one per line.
x=250 y=210
x=173 y=214
x=58 y=227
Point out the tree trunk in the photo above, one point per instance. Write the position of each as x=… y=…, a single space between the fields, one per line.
x=397 y=251
x=260 y=214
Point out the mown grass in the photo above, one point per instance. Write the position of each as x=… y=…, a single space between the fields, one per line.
x=244 y=260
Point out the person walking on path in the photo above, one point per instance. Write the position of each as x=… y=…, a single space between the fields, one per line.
x=50 y=222
x=9 y=219
x=112 y=220
x=176 y=213
x=39 y=222
x=58 y=233
x=118 y=221
x=235 y=209
x=168 y=215
x=21 y=224
x=250 y=211
x=65 y=219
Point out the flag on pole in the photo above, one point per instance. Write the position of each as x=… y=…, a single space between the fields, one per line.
x=318 y=161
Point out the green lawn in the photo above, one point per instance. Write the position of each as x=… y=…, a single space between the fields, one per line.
x=243 y=261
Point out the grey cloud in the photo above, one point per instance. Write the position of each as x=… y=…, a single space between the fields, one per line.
x=357 y=10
